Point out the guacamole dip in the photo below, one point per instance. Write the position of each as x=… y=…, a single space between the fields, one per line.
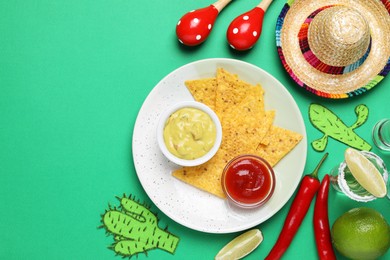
x=189 y=133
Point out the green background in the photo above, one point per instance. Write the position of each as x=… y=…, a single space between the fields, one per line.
x=73 y=76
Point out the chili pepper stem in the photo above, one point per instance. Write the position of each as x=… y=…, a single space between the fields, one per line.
x=314 y=174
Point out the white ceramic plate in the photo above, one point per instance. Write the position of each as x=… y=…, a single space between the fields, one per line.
x=185 y=204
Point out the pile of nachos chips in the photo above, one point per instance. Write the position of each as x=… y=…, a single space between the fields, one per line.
x=247 y=128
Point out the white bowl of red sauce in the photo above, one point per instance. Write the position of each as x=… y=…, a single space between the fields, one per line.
x=248 y=181
x=189 y=133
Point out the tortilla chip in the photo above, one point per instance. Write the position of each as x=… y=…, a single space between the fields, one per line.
x=244 y=130
x=266 y=125
x=281 y=142
x=203 y=90
x=206 y=177
x=231 y=91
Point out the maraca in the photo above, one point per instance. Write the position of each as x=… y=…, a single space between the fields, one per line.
x=244 y=31
x=195 y=26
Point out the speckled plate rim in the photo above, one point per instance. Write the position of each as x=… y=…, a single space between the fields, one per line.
x=185 y=204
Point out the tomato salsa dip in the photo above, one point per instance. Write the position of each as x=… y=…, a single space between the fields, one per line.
x=189 y=133
x=248 y=181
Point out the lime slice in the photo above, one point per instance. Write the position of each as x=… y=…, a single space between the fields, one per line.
x=241 y=245
x=365 y=173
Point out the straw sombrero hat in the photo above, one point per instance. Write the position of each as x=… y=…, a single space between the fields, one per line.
x=335 y=48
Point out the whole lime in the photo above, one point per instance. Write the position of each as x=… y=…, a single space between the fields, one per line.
x=361 y=233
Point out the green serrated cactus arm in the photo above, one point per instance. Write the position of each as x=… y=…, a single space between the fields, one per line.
x=329 y=124
x=350 y=138
x=322 y=118
x=167 y=241
x=131 y=247
x=119 y=224
x=124 y=225
x=135 y=210
x=361 y=112
x=320 y=144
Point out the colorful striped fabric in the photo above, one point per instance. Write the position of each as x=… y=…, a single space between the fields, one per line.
x=315 y=62
x=313 y=59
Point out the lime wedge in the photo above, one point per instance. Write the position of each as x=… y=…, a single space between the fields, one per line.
x=365 y=173
x=241 y=245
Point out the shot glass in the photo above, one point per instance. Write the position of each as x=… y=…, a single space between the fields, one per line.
x=381 y=135
x=344 y=182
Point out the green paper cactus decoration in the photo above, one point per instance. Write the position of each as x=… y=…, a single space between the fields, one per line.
x=135 y=229
x=331 y=126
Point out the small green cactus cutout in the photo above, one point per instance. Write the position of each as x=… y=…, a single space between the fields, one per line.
x=135 y=229
x=331 y=126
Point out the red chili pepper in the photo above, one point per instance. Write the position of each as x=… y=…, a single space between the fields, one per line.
x=299 y=207
x=321 y=222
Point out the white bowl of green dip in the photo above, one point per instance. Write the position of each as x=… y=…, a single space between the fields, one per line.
x=189 y=133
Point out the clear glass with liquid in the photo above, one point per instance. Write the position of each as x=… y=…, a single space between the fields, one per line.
x=381 y=135
x=344 y=182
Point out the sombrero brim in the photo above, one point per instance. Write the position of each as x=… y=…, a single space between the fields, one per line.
x=374 y=68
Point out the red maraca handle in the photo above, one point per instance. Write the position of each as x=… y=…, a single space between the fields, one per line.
x=194 y=27
x=244 y=31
